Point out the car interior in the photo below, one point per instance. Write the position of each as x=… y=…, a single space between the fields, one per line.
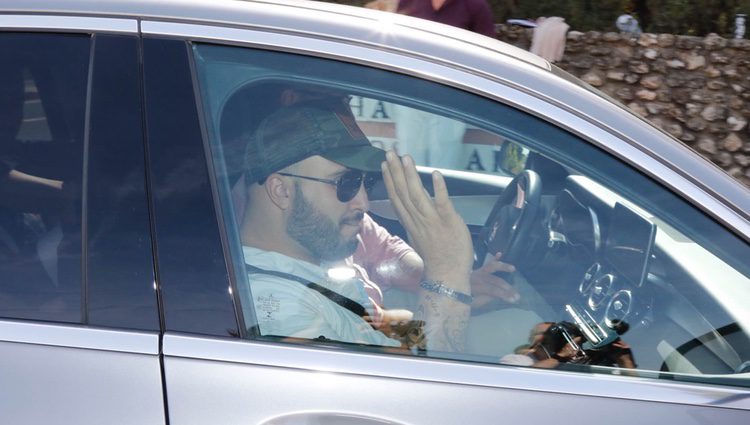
x=609 y=264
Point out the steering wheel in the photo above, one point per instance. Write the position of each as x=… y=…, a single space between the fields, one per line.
x=509 y=224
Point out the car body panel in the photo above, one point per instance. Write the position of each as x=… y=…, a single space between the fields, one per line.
x=67 y=374
x=302 y=381
x=499 y=377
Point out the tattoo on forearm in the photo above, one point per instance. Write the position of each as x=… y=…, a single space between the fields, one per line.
x=419 y=314
x=442 y=331
x=454 y=332
x=434 y=306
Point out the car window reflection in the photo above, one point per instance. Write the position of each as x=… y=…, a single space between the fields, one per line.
x=576 y=264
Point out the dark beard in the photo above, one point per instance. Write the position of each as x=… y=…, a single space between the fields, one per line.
x=317 y=233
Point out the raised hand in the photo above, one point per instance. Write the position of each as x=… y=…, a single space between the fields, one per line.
x=435 y=230
x=442 y=239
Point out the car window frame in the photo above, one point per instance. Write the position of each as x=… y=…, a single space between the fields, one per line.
x=171 y=113
x=95 y=141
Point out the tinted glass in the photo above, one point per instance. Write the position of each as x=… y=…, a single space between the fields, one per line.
x=583 y=293
x=191 y=272
x=43 y=81
x=120 y=290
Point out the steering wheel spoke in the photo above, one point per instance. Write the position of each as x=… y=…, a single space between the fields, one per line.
x=509 y=224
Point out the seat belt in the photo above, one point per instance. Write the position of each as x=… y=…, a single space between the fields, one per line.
x=339 y=299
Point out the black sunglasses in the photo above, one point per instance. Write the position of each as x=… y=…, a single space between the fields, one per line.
x=347 y=185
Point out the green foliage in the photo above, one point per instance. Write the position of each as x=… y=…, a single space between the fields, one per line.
x=581 y=15
x=695 y=17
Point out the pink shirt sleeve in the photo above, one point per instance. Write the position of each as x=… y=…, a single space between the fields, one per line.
x=379 y=253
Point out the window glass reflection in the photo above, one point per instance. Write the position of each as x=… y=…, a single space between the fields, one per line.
x=42 y=104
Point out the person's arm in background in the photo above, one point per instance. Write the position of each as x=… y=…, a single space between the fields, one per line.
x=25 y=192
x=388 y=259
x=384 y=5
x=391 y=262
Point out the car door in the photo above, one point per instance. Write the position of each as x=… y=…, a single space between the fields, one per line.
x=79 y=324
x=219 y=368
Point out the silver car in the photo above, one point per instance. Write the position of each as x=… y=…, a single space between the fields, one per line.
x=124 y=295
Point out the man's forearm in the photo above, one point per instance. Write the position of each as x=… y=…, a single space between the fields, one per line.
x=445 y=321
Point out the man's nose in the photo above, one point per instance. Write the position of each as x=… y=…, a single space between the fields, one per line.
x=360 y=200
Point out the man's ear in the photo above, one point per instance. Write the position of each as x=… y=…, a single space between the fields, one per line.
x=279 y=191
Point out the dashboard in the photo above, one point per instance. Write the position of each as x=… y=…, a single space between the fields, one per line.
x=617 y=275
x=621 y=285
x=619 y=256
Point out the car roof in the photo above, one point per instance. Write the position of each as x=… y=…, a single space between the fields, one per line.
x=336 y=20
x=427 y=40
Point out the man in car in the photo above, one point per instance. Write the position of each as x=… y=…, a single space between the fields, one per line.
x=305 y=170
x=380 y=257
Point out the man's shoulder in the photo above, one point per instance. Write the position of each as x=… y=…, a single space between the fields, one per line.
x=258 y=261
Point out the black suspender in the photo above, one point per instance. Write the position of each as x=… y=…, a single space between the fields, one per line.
x=339 y=299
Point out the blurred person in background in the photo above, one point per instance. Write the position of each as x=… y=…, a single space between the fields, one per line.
x=473 y=15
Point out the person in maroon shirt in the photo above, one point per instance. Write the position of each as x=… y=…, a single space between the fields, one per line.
x=473 y=15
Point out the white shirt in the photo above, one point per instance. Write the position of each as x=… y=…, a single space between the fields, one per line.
x=286 y=307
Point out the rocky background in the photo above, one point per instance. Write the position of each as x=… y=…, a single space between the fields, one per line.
x=695 y=88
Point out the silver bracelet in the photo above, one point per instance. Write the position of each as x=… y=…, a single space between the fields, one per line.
x=438 y=287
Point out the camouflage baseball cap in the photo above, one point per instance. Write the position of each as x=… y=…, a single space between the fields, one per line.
x=294 y=133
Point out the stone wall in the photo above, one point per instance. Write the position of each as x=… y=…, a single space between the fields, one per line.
x=697 y=89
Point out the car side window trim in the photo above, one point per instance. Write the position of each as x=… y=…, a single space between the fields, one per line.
x=237 y=269
x=72 y=23
x=73 y=336
x=191 y=268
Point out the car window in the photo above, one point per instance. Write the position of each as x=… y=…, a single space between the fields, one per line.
x=581 y=262
x=43 y=99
